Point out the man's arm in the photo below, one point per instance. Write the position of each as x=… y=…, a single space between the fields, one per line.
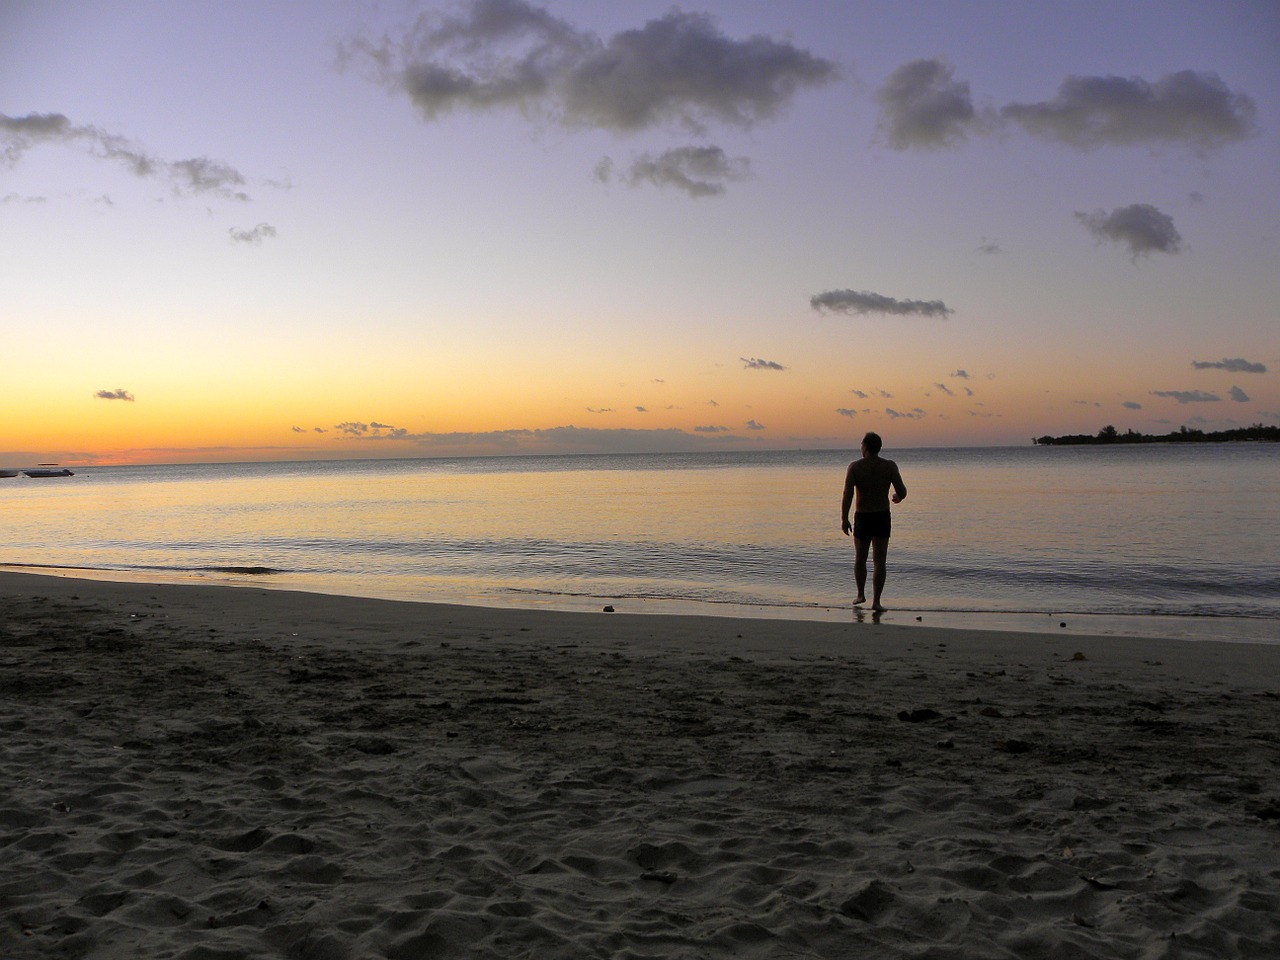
x=899 y=488
x=847 y=501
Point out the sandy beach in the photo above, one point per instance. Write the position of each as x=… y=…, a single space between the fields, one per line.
x=216 y=772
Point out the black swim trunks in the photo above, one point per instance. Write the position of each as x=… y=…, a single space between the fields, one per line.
x=869 y=526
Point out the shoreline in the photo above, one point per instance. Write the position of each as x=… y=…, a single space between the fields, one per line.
x=195 y=771
x=1209 y=629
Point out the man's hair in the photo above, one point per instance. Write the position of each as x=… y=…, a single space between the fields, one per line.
x=872 y=442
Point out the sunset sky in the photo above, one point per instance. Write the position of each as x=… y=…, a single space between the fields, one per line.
x=278 y=230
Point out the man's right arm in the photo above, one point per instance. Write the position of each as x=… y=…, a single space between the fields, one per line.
x=899 y=488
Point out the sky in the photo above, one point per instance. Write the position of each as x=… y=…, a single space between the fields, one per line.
x=237 y=230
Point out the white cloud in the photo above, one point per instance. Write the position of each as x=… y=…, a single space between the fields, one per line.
x=199 y=175
x=697 y=171
x=865 y=302
x=1140 y=226
x=677 y=69
x=1237 y=365
x=1187 y=108
x=922 y=106
x=1187 y=396
x=253 y=235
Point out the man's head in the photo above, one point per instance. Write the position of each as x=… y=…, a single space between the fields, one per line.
x=871 y=443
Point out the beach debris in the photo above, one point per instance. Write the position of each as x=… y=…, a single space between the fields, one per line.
x=608 y=608
x=919 y=715
x=1063 y=623
x=1078 y=656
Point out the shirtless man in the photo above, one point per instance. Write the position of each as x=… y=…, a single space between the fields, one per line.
x=870 y=479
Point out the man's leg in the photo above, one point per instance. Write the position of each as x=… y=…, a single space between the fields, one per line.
x=861 y=548
x=881 y=555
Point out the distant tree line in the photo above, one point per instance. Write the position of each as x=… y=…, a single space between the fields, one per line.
x=1110 y=434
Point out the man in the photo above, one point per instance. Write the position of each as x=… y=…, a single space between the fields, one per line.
x=870 y=479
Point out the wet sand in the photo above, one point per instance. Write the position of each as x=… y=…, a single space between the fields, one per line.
x=210 y=772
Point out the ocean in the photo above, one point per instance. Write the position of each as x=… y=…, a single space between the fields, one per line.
x=1162 y=540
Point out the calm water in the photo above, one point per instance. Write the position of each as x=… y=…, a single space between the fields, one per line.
x=1168 y=540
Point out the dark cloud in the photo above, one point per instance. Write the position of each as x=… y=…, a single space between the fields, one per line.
x=199 y=175
x=945 y=389
x=711 y=429
x=846 y=412
x=860 y=394
x=18 y=198
x=566 y=439
x=753 y=425
x=698 y=171
x=1130 y=405
x=678 y=68
x=299 y=429
x=253 y=235
x=116 y=394
x=1140 y=226
x=865 y=302
x=915 y=414
x=1185 y=108
x=1238 y=395
x=989 y=247
x=1237 y=365
x=755 y=364
x=1187 y=396
x=923 y=106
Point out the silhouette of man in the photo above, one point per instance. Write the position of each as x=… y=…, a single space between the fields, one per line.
x=869 y=479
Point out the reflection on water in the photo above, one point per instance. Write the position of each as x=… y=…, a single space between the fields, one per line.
x=1167 y=531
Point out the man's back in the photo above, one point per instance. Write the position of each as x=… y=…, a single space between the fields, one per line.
x=872 y=477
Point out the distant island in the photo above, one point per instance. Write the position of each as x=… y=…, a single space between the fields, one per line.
x=1110 y=434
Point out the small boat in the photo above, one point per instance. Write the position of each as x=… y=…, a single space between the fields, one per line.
x=64 y=472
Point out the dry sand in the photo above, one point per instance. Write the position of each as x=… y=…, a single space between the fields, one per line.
x=214 y=772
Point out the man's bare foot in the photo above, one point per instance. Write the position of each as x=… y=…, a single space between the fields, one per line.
x=879 y=608
x=858 y=600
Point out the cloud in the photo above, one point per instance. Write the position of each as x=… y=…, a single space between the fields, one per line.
x=253 y=235
x=565 y=439
x=945 y=389
x=915 y=414
x=698 y=171
x=18 y=198
x=922 y=106
x=860 y=394
x=1187 y=396
x=352 y=428
x=1140 y=225
x=199 y=175
x=299 y=429
x=1238 y=395
x=1131 y=405
x=846 y=412
x=1238 y=365
x=989 y=247
x=116 y=394
x=755 y=364
x=711 y=429
x=509 y=54
x=960 y=374
x=865 y=302
x=1184 y=108
x=752 y=425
